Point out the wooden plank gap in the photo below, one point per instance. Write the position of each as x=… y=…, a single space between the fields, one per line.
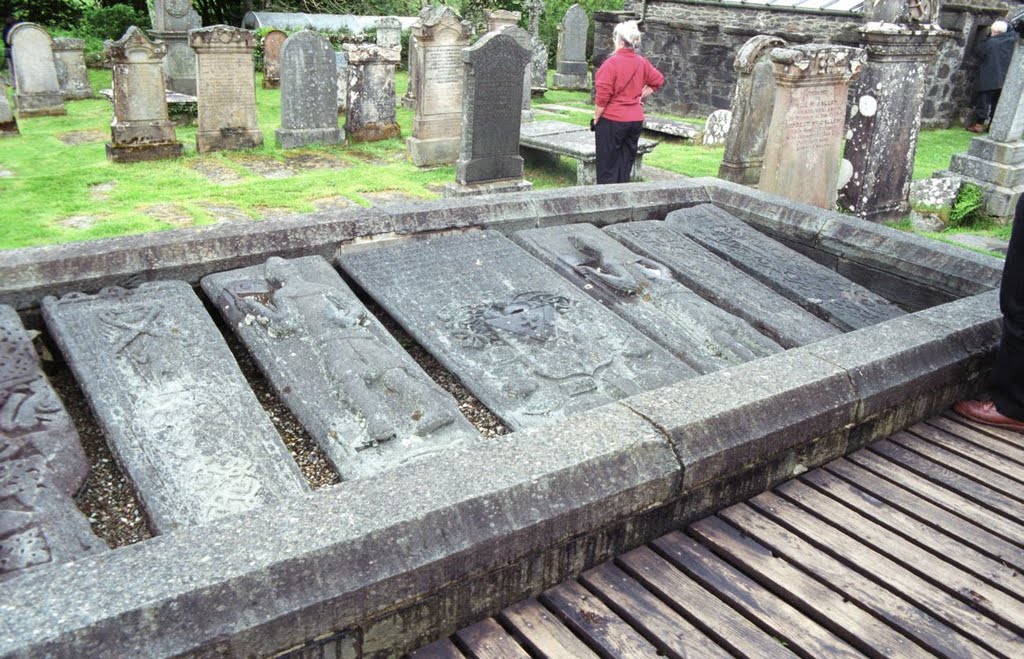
x=989 y=470
x=997 y=445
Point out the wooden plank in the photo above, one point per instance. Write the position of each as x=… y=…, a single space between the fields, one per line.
x=590 y=619
x=801 y=634
x=716 y=618
x=997 y=574
x=668 y=631
x=971 y=451
x=929 y=597
x=443 y=649
x=785 y=563
x=968 y=467
x=487 y=640
x=1008 y=436
x=913 y=505
x=994 y=444
x=540 y=632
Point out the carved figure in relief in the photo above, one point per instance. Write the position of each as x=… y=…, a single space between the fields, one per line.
x=139 y=335
x=363 y=368
x=625 y=278
x=26 y=401
x=22 y=544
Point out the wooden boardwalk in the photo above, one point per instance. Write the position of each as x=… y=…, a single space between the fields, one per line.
x=912 y=547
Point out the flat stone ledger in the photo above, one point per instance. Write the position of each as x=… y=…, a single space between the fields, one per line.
x=8 y=124
x=226 y=88
x=527 y=343
x=272 y=43
x=753 y=101
x=172 y=21
x=571 y=68
x=73 y=77
x=886 y=120
x=37 y=89
x=819 y=289
x=141 y=130
x=370 y=116
x=176 y=410
x=309 y=92
x=644 y=293
x=389 y=32
x=722 y=284
x=802 y=152
x=361 y=397
x=42 y=464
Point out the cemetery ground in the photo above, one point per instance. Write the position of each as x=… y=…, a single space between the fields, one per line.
x=57 y=185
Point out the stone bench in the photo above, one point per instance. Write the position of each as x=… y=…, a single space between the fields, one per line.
x=546 y=141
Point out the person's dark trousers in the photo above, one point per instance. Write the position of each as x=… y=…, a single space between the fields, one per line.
x=1006 y=383
x=985 y=105
x=616 y=143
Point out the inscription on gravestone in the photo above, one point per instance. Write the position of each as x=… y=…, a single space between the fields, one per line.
x=528 y=344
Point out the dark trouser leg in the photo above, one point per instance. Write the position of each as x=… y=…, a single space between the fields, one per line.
x=628 y=138
x=1007 y=379
x=607 y=155
x=983 y=106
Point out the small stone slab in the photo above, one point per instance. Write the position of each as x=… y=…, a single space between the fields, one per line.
x=644 y=293
x=176 y=410
x=528 y=344
x=723 y=285
x=672 y=127
x=361 y=397
x=813 y=286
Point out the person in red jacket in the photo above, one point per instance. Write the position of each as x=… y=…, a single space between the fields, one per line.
x=622 y=82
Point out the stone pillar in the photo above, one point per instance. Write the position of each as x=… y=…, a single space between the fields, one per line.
x=389 y=32
x=886 y=118
x=752 y=103
x=37 y=90
x=272 y=43
x=539 y=58
x=141 y=129
x=371 y=92
x=802 y=153
x=73 y=77
x=172 y=21
x=8 y=124
x=309 y=92
x=226 y=87
x=572 y=71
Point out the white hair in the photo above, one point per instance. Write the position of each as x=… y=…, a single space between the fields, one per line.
x=627 y=33
x=998 y=27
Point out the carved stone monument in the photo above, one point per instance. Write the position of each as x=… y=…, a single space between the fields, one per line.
x=498 y=19
x=272 y=43
x=802 y=153
x=527 y=343
x=309 y=92
x=177 y=412
x=571 y=69
x=538 y=50
x=716 y=128
x=172 y=21
x=370 y=116
x=437 y=125
x=69 y=59
x=226 y=89
x=8 y=124
x=360 y=396
x=389 y=32
x=752 y=103
x=37 y=90
x=141 y=129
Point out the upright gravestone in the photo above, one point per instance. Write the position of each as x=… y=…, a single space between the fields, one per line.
x=37 y=90
x=571 y=69
x=309 y=92
x=226 y=88
x=716 y=128
x=539 y=50
x=8 y=124
x=141 y=129
x=172 y=21
x=523 y=37
x=752 y=103
x=413 y=57
x=802 y=152
x=371 y=92
x=437 y=125
x=69 y=58
x=389 y=32
x=272 y=42
x=489 y=159
x=341 y=64
x=499 y=19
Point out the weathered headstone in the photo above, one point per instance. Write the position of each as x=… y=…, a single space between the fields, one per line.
x=309 y=92
x=389 y=32
x=8 y=124
x=272 y=43
x=42 y=464
x=141 y=129
x=722 y=284
x=73 y=77
x=817 y=288
x=753 y=101
x=226 y=89
x=716 y=128
x=370 y=116
x=644 y=293
x=177 y=412
x=539 y=49
x=437 y=125
x=802 y=152
x=360 y=396
x=571 y=69
x=523 y=37
x=341 y=63
x=499 y=19
x=413 y=57
x=37 y=90
x=172 y=21
x=528 y=344
x=489 y=159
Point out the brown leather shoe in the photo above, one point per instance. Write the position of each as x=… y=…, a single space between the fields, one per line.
x=984 y=411
x=977 y=128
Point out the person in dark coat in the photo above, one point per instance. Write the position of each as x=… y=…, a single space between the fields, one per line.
x=994 y=56
x=8 y=49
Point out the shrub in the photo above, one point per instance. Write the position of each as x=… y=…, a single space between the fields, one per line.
x=967 y=207
x=112 y=22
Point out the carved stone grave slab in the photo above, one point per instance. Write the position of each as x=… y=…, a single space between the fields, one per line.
x=722 y=284
x=527 y=343
x=817 y=288
x=643 y=292
x=176 y=410
x=357 y=392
